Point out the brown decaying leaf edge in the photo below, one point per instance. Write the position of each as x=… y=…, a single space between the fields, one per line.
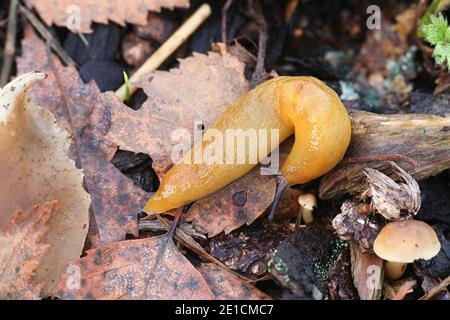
x=64 y=13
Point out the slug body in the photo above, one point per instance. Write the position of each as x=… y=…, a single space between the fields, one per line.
x=304 y=106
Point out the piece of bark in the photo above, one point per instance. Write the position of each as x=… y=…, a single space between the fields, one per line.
x=424 y=138
x=368 y=271
x=248 y=249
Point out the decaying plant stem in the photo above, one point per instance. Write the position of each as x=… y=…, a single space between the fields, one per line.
x=368 y=273
x=42 y=30
x=225 y=9
x=423 y=138
x=10 y=43
x=257 y=13
x=440 y=287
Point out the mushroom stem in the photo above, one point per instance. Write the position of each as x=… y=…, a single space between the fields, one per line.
x=307 y=215
x=394 y=270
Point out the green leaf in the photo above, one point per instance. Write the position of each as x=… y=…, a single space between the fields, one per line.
x=437 y=33
x=441 y=53
x=437 y=30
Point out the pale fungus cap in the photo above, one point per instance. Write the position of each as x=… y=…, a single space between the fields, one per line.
x=406 y=241
x=307 y=201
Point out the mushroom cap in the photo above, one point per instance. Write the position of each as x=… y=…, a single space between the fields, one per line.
x=406 y=241
x=307 y=201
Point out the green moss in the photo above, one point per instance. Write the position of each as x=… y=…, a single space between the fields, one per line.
x=320 y=268
x=277 y=264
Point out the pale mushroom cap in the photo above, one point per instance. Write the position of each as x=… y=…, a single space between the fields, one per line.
x=406 y=241
x=307 y=201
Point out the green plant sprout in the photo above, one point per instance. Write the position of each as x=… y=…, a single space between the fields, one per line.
x=435 y=30
x=127 y=87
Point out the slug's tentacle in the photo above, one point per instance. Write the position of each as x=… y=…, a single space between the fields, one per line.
x=301 y=105
x=282 y=185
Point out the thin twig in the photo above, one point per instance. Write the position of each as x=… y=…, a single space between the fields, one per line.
x=187 y=241
x=225 y=9
x=440 y=287
x=167 y=48
x=42 y=30
x=10 y=44
x=258 y=15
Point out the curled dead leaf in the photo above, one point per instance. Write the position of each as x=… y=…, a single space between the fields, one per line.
x=22 y=250
x=35 y=169
x=135 y=270
x=393 y=200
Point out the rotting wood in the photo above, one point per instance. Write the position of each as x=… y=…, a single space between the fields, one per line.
x=424 y=138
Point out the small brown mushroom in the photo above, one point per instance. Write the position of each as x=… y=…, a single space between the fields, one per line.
x=307 y=202
x=402 y=242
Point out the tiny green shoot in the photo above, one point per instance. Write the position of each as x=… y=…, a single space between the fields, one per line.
x=127 y=86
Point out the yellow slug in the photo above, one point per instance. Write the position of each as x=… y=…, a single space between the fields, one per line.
x=304 y=106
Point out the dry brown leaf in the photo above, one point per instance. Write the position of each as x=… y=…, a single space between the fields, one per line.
x=83 y=97
x=100 y=11
x=134 y=270
x=232 y=207
x=35 y=169
x=227 y=286
x=21 y=251
x=116 y=200
x=199 y=90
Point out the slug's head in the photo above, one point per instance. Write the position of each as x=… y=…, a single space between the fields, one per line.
x=322 y=130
